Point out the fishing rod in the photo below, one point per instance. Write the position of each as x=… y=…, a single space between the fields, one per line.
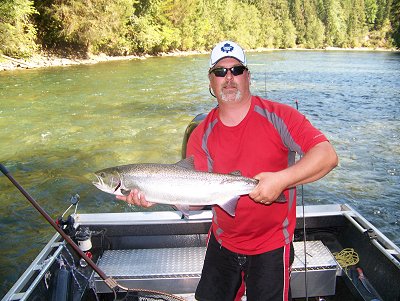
x=302 y=205
x=108 y=280
x=304 y=229
x=111 y=283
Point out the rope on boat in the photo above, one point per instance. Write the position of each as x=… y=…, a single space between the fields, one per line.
x=347 y=257
x=148 y=295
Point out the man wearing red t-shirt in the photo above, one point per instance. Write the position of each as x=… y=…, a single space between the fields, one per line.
x=259 y=138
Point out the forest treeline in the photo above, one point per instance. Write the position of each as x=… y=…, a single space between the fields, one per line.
x=124 y=27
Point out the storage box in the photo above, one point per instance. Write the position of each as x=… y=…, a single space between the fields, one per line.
x=173 y=270
x=321 y=270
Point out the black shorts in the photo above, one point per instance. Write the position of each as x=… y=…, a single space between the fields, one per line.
x=266 y=275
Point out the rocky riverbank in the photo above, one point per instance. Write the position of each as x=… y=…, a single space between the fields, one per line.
x=47 y=60
x=42 y=61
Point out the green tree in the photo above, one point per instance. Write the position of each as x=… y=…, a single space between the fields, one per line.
x=371 y=9
x=144 y=34
x=356 y=29
x=203 y=26
x=395 y=20
x=241 y=23
x=151 y=30
x=268 y=24
x=297 y=17
x=277 y=28
x=17 y=31
x=224 y=12
x=182 y=15
x=91 y=25
x=154 y=26
x=383 y=12
x=249 y=26
x=335 y=24
x=315 y=29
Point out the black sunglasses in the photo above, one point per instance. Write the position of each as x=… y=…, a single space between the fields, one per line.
x=221 y=71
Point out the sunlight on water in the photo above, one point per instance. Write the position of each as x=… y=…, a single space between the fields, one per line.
x=59 y=125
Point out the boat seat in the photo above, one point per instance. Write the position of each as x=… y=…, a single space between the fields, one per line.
x=178 y=270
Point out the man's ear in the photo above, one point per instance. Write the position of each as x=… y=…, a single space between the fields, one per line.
x=211 y=91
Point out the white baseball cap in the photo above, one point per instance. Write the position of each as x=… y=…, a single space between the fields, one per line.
x=227 y=49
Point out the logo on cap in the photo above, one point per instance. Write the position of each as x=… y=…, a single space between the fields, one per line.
x=227 y=48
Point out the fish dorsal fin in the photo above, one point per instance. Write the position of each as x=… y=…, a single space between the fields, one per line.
x=236 y=173
x=187 y=163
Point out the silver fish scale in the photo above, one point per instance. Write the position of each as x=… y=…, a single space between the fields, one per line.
x=164 y=171
x=153 y=262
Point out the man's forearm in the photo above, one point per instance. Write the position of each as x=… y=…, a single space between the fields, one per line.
x=315 y=164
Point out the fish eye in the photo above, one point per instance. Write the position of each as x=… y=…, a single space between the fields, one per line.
x=103 y=175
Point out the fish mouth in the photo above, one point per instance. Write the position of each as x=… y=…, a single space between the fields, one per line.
x=99 y=182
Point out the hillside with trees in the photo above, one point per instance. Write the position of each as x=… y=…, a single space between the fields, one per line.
x=125 y=27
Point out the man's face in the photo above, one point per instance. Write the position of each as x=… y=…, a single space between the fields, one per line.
x=230 y=87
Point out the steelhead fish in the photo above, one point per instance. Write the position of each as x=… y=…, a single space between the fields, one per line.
x=176 y=184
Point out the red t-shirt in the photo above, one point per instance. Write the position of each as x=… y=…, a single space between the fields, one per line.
x=267 y=139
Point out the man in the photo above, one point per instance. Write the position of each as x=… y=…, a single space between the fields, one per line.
x=259 y=138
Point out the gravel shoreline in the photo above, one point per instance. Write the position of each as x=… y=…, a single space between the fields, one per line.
x=38 y=61
x=44 y=61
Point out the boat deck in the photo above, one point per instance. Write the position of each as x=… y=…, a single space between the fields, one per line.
x=161 y=251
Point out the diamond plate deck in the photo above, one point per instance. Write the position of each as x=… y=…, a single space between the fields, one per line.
x=153 y=262
x=175 y=270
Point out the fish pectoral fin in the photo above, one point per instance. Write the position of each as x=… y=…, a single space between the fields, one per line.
x=184 y=209
x=125 y=192
x=229 y=205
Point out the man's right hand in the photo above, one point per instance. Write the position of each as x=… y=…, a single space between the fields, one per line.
x=136 y=198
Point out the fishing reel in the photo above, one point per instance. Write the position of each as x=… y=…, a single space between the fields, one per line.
x=67 y=225
x=82 y=235
x=83 y=238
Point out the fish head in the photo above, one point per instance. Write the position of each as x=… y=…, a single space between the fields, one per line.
x=109 y=180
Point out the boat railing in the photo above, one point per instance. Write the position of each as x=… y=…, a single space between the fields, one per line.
x=39 y=266
x=377 y=238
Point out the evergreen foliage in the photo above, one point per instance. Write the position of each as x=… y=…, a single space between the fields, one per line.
x=395 y=22
x=122 y=27
x=17 y=32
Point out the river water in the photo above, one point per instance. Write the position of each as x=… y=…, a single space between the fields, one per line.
x=58 y=125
